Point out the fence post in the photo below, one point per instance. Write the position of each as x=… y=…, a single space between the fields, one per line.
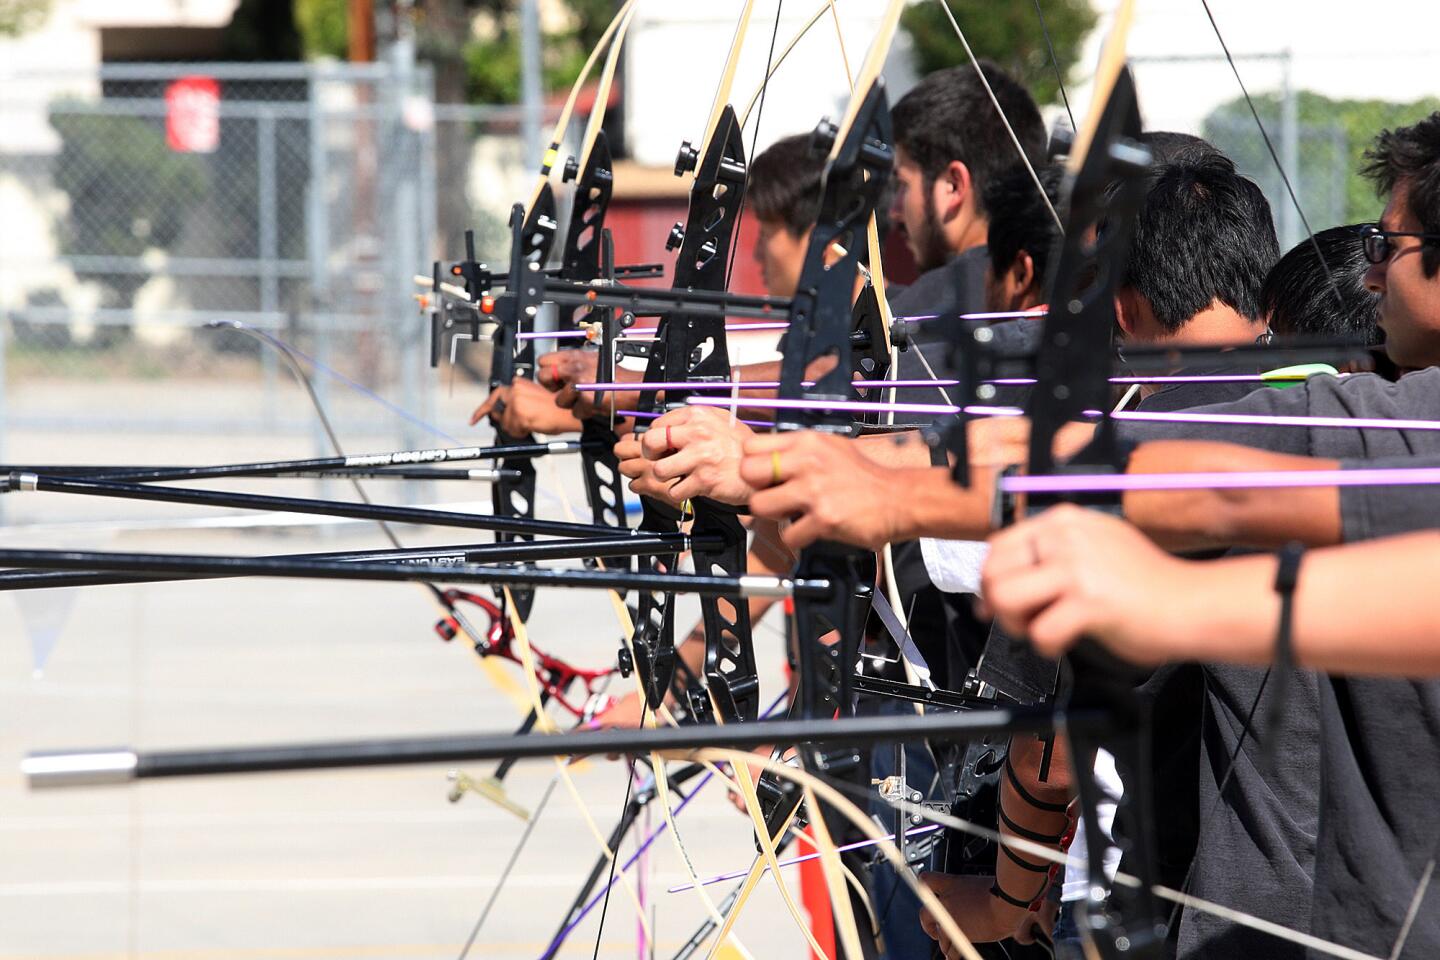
x=269 y=250
x=531 y=98
x=317 y=243
x=1290 y=227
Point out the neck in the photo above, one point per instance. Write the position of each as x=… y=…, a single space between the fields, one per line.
x=967 y=234
x=1216 y=325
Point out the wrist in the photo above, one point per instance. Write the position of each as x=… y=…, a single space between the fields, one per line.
x=1226 y=610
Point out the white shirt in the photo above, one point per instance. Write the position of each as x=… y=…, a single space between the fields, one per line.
x=1077 y=876
x=954 y=565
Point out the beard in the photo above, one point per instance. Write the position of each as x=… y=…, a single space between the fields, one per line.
x=929 y=244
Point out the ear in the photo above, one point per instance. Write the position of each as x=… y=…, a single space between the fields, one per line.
x=1023 y=273
x=953 y=189
x=1127 y=311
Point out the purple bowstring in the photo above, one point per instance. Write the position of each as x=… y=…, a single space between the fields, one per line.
x=639 y=415
x=764 y=325
x=1140 y=416
x=1238 y=480
x=758 y=327
x=639 y=852
x=717 y=385
x=751 y=385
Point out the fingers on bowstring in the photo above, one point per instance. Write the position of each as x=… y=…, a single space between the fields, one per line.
x=1058 y=626
x=1020 y=597
x=485 y=408
x=678 y=463
x=628 y=448
x=803 y=532
x=776 y=503
x=634 y=468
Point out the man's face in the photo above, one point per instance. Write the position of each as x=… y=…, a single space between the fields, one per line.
x=1409 y=300
x=1014 y=289
x=912 y=209
x=780 y=254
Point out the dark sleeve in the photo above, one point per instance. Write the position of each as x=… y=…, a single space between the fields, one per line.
x=1376 y=511
x=1266 y=402
x=1414 y=397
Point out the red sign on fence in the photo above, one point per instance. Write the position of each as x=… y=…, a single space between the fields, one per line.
x=192 y=114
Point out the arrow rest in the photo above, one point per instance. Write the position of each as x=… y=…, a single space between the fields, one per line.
x=823 y=318
x=693 y=347
x=1072 y=368
x=511 y=357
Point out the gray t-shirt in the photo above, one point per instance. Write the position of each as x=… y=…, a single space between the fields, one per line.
x=1413 y=397
x=1381 y=753
x=1377 y=511
x=1261 y=838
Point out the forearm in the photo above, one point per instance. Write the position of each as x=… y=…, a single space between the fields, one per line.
x=1252 y=517
x=1368 y=608
x=1037 y=809
x=895 y=449
x=929 y=503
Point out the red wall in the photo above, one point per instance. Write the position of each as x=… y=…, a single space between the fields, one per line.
x=640 y=227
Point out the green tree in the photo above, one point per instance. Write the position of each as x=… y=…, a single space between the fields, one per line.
x=1332 y=136
x=21 y=16
x=128 y=192
x=493 y=59
x=1010 y=34
x=324 y=28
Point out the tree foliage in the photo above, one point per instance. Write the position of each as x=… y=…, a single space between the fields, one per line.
x=324 y=28
x=1332 y=136
x=1008 y=33
x=493 y=62
x=22 y=16
x=128 y=193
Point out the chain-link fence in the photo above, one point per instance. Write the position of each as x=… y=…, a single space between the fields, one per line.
x=144 y=203
x=1319 y=140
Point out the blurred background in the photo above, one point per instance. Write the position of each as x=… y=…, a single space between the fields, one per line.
x=291 y=165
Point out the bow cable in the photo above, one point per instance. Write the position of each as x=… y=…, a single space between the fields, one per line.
x=985 y=82
x=552 y=152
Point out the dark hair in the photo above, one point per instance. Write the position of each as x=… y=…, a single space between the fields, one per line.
x=1171 y=146
x=784 y=183
x=1411 y=155
x=1019 y=219
x=1203 y=234
x=948 y=116
x=1298 y=298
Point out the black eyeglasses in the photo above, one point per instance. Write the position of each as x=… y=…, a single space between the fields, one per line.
x=1377 y=245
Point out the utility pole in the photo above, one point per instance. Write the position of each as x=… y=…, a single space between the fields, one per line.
x=360 y=25
x=531 y=96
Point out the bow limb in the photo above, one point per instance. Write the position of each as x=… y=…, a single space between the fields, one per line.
x=602 y=93
x=727 y=78
x=1107 y=74
x=840 y=38
x=552 y=152
x=984 y=82
x=767 y=851
x=545 y=725
x=818 y=787
x=662 y=789
x=869 y=70
x=827 y=6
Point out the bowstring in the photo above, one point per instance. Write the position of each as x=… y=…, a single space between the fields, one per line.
x=995 y=101
x=1275 y=157
x=754 y=141
x=509 y=867
x=624 y=808
x=1052 y=855
x=1059 y=79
